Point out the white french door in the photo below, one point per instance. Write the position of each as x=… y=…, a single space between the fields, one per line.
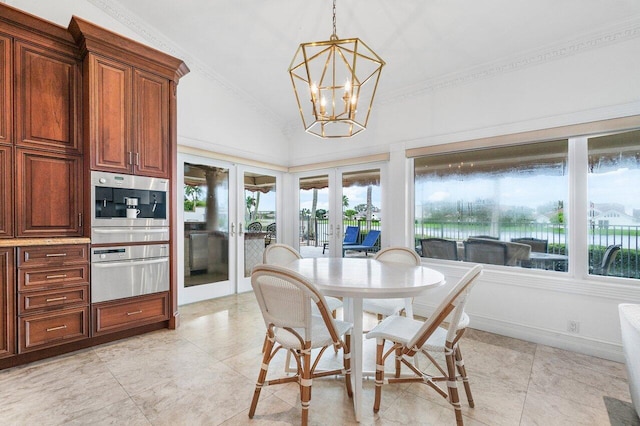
x=257 y=219
x=205 y=235
x=329 y=200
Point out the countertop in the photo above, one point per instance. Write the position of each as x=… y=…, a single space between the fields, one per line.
x=15 y=242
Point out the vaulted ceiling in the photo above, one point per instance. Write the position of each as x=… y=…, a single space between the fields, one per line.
x=247 y=45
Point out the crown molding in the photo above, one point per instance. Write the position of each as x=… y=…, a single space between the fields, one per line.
x=154 y=37
x=612 y=34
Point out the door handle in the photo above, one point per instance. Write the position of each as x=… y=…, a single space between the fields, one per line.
x=240 y=232
x=233 y=229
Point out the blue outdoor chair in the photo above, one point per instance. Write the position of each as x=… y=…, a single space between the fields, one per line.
x=367 y=244
x=350 y=237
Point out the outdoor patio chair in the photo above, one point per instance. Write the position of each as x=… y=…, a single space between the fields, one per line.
x=607 y=260
x=440 y=333
x=350 y=237
x=285 y=299
x=438 y=248
x=537 y=245
x=386 y=307
x=254 y=227
x=485 y=251
x=271 y=234
x=367 y=244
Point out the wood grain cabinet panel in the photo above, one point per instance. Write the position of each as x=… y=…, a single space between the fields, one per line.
x=48 y=194
x=7 y=292
x=46 y=99
x=6 y=191
x=42 y=301
x=151 y=116
x=6 y=96
x=128 y=125
x=110 y=115
x=128 y=313
x=53 y=255
x=50 y=329
x=36 y=279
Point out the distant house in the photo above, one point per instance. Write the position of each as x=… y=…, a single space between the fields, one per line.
x=611 y=214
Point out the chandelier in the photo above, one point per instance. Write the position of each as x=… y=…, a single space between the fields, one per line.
x=335 y=82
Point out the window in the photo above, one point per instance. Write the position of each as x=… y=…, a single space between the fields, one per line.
x=501 y=205
x=614 y=204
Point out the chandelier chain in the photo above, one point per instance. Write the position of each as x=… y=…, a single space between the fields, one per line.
x=334 y=18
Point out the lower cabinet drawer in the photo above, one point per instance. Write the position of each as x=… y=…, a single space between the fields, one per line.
x=44 y=330
x=128 y=313
x=29 y=279
x=41 y=301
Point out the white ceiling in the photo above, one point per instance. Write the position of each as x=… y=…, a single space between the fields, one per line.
x=247 y=45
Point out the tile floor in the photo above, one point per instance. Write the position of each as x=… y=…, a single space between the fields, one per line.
x=204 y=374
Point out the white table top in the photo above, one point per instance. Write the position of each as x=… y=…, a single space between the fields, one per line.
x=351 y=277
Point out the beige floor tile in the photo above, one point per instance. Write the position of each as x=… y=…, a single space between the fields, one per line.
x=121 y=413
x=551 y=410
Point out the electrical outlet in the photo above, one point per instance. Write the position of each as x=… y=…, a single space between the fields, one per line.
x=573 y=326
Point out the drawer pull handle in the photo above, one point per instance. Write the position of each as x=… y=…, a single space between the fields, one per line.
x=51 y=277
x=56 y=299
x=134 y=312
x=56 y=254
x=62 y=327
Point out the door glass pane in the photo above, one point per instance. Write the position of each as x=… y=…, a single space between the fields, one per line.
x=206 y=224
x=314 y=219
x=361 y=212
x=614 y=205
x=259 y=217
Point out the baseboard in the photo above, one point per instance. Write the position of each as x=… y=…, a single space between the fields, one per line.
x=554 y=338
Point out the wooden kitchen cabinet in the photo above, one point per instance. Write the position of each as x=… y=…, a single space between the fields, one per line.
x=6 y=192
x=122 y=314
x=128 y=119
x=48 y=194
x=6 y=97
x=7 y=292
x=53 y=295
x=46 y=98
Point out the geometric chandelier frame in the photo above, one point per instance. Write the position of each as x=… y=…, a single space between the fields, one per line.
x=335 y=82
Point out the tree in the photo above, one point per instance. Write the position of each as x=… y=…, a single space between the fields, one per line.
x=350 y=213
x=250 y=203
x=193 y=192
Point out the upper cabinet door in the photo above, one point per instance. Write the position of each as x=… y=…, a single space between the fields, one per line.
x=48 y=194
x=6 y=192
x=46 y=99
x=6 y=98
x=110 y=115
x=151 y=116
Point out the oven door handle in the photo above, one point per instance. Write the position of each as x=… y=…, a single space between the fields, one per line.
x=120 y=263
x=129 y=230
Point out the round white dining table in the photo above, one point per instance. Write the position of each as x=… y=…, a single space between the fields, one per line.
x=355 y=279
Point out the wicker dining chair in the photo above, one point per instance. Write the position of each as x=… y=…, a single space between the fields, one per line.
x=410 y=337
x=386 y=307
x=285 y=299
x=281 y=254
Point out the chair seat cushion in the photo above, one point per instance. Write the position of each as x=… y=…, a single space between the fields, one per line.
x=319 y=334
x=386 y=307
x=402 y=329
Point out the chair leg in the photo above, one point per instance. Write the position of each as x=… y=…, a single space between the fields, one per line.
x=454 y=398
x=261 y=376
x=305 y=384
x=379 y=374
x=346 y=359
x=398 y=363
x=463 y=372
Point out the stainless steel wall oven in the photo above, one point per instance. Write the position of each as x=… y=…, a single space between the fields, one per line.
x=129 y=236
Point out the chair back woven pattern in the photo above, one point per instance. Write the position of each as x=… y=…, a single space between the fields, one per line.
x=280 y=254
x=285 y=299
x=398 y=255
x=453 y=302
